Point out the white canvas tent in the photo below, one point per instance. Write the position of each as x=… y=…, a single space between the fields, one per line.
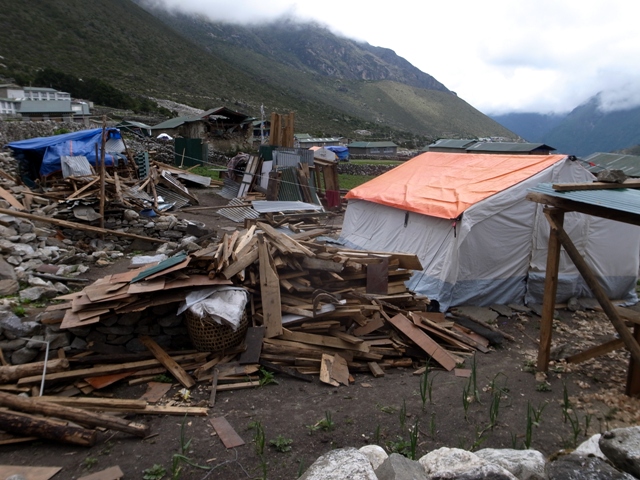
x=478 y=238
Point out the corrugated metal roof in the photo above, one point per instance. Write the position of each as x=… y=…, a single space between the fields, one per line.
x=75 y=166
x=45 y=106
x=623 y=199
x=452 y=143
x=240 y=213
x=507 y=147
x=629 y=164
x=230 y=188
x=371 y=144
x=265 y=206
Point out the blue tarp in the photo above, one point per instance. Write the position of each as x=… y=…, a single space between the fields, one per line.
x=341 y=152
x=48 y=150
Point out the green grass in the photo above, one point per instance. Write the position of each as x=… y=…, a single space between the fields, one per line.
x=347 y=182
x=375 y=162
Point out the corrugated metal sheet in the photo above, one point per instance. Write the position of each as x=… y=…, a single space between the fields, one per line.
x=629 y=164
x=75 y=166
x=230 y=188
x=623 y=199
x=284 y=159
x=306 y=155
x=170 y=196
x=289 y=187
x=507 y=147
x=240 y=213
x=265 y=206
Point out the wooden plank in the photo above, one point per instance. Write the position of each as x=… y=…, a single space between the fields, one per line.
x=269 y=291
x=322 y=340
x=375 y=369
x=423 y=341
x=111 y=473
x=340 y=370
x=13 y=201
x=253 y=341
x=155 y=391
x=28 y=473
x=214 y=388
x=326 y=366
x=372 y=325
x=567 y=187
x=106 y=380
x=103 y=370
x=378 y=277
x=596 y=351
x=292 y=372
x=169 y=363
x=633 y=372
x=225 y=431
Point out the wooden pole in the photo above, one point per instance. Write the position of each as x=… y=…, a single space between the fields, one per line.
x=549 y=296
x=26 y=425
x=78 y=226
x=598 y=292
x=102 y=169
x=12 y=373
x=77 y=415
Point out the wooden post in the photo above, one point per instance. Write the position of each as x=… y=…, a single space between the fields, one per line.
x=13 y=373
x=26 y=425
x=598 y=292
x=270 y=291
x=550 y=290
x=633 y=374
x=102 y=170
x=77 y=415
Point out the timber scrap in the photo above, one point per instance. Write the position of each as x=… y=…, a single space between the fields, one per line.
x=316 y=310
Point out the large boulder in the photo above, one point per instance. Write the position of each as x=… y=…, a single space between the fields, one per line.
x=524 y=464
x=579 y=467
x=340 y=464
x=397 y=467
x=454 y=463
x=622 y=448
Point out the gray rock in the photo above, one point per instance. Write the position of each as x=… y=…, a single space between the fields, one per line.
x=80 y=331
x=135 y=345
x=397 y=467
x=11 y=323
x=573 y=305
x=578 y=467
x=118 y=339
x=172 y=234
x=151 y=330
x=169 y=321
x=622 y=448
x=129 y=319
x=115 y=330
x=130 y=215
x=58 y=340
x=33 y=294
x=375 y=454
x=454 y=463
x=36 y=343
x=24 y=355
x=503 y=310
x=6 y=271
x=78 y=344
x=12 y=345
x=27 y=238
x=8 y=286
x=39 y=282
x=483 y=314
x=524 y=464
x=181 y=330
x=611 y=176
x=340 y=464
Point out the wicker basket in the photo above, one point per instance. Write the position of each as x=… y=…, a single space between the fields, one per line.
x=209 y=336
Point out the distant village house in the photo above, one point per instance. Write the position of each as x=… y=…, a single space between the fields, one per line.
x=372 y=149
x=39 y=103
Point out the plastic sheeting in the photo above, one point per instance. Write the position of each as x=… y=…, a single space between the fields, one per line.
x=446 y=184
x=50 y=149
x=496 y=252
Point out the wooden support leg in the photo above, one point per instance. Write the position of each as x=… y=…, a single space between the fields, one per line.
x=633 y=375
x=550 y=289
x=591 y=280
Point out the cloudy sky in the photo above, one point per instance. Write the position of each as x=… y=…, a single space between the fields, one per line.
x=498 y=55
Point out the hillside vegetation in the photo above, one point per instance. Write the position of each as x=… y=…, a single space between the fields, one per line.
x=335 y=85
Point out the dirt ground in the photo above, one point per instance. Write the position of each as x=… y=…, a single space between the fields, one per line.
x=313 y=418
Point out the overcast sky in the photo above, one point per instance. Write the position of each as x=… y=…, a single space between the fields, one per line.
x=498 y=55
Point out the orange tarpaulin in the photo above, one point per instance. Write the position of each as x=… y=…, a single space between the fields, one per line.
x=445 y=184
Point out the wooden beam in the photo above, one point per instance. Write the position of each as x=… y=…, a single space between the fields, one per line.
x=592 y=282
x=79 y=226
x=169 y=363
x=21 y=424
x=567 y=187
x=269 y=291
x=549 y=295
x=596 y=351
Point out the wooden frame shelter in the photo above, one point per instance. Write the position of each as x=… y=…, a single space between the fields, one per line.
x=557 y=205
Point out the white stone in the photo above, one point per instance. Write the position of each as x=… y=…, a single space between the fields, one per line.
x=591 y=448
x=524 y=464
x=340 y=464
x=375 y=454
x=451 y=463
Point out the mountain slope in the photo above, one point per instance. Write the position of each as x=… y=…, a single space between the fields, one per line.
x=587 y=129
x=531 y=126
x=334 y=85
